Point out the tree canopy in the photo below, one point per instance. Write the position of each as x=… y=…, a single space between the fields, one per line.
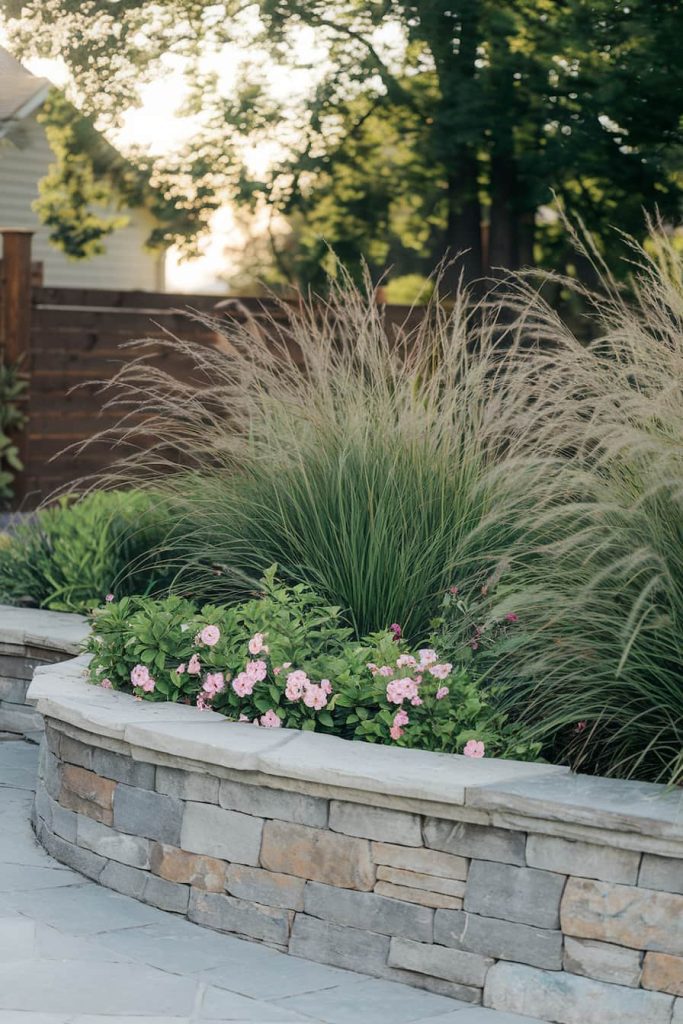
x=414 y=128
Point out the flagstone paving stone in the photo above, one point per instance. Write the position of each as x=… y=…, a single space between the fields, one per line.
x=72 y=952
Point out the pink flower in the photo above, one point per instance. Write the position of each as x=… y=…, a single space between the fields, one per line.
x=256 y=644
x=406 y=661
x=416 y=701
x=315 y=697
x=441 y=671
x=396 y=630
x=243 y=684
x=385 y=670
x=109 y=598
x=180 y=669
x=270 y=720
x=474 y=748
x=453 y=590
x=139 y=675
x=277 y=670
x=373 y=668
x=580 y=726
x=511 y=617
x=106 y=684
x=203 y=702
x=326 y=686
x=297 y=682
x=474 y=645
x=148 y=685
x=243 y=718
x=401 y=717
x=395 y=732
x=194 y=665
x=442 y=692
x=401 y=689
x=210 y=635
x=257 y=670
x=214 y=683
x=427 y=656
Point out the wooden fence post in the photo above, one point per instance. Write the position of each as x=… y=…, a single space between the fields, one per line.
x=15 y=322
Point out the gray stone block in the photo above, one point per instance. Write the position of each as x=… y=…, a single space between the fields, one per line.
x=468 y=840
x=13 y=690
x=585 y=860
x=504 y=940
x=339 y=946
x=274 y=803
x=119 y=846
x=166 y=895
x=369 y=912
x=187 y=785
x=19 y=718
x=525 y=895
x=267 y=887
x=52 y=738
x=123 y=769
x=74 y=752
x=228 y=914
x=64 y=822
x=216 y=832
x=83 y=861
x=52 y=773
x=603 y=961
x=571 y=999
x=463 y=993
x=145 y=813
x=42 y=805
x=378 y=823
x=663 y=873
x=124 y=879
x=678 y=1012
x=449 y=964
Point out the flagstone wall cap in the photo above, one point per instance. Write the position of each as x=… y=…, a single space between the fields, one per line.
x=205 y=739
x=36 y=627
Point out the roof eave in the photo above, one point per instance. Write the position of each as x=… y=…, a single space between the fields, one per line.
x=26 y=108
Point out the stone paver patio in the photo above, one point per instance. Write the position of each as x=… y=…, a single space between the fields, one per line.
x=72 y=952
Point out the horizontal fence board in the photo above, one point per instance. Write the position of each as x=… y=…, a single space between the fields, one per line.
x=139 y=300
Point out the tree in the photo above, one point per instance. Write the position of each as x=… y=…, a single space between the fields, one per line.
x=425 y=126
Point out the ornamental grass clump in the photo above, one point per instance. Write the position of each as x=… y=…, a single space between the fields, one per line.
x=351 y=455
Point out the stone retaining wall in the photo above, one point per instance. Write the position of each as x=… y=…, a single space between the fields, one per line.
x=518 y=886
x=31 y=637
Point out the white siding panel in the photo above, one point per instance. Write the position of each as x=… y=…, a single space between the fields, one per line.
x=125 y=264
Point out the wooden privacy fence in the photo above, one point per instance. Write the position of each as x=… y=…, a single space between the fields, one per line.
x=71 y=338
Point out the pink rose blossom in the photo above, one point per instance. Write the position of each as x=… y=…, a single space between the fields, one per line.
x=395 y=732
x=194 y=665
x=427 y=656
x=139 y=675
x=442 y=692
x=441 y=671
x=109 y=598
x=315 y=697
x=401 y=717
x=385 y=670
x=214 y=683
x=243 y=684
x=401 y=689
x=270 y=720
x=257 y=670
x=256 y=644
x=106 y=684
x=148 y=685
x=406 y=661
x=210 y=635
x=296 y=684
x=474 y=748
x=180 y=669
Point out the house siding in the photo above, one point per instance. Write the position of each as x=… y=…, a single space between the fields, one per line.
x=125 y=264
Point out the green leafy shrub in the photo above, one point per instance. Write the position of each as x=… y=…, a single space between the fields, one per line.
x=70 y=556
x=285 y=658
x=12 y=419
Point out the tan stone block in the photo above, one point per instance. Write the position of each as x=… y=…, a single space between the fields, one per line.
x=176 y=865
x=663 y=973
x=87 y=807
x=88 y=785
x=317 y=854
x=417 y=880
x=430 y=862
x=267 y=887
x=623 y=914
x=421 y=896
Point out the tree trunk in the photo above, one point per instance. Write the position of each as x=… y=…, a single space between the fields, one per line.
x=503 y=236
x=462 y=240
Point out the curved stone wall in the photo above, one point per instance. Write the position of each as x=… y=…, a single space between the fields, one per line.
x=522 y=887
x=29 y=638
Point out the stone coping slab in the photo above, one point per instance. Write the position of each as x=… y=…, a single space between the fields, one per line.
x=36 y=627
x=205 y=739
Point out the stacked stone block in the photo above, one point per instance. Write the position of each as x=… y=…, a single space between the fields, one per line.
x=17 y=665
x=536 y=924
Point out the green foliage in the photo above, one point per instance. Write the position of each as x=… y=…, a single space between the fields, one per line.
x=418 y=121
x=12 y=420
x=68 y=557
x=285 y=658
